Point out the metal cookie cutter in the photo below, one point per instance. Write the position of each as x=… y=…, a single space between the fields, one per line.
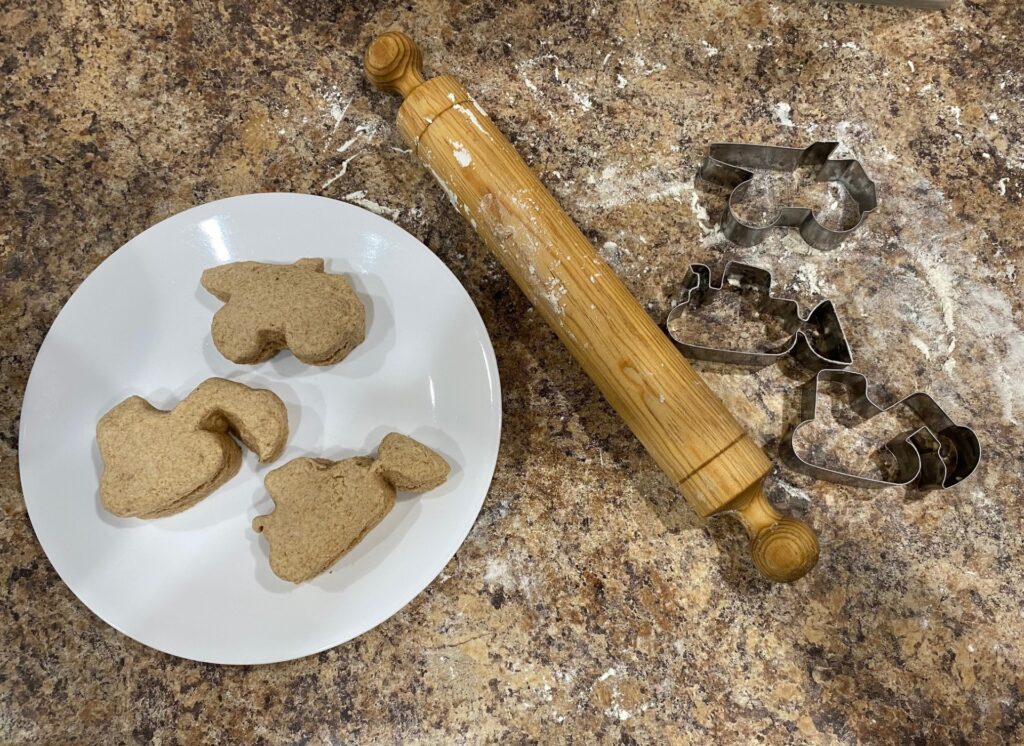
x=936 y=455
x=816 y=340
x=729 y=165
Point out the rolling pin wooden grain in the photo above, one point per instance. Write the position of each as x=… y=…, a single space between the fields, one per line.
x=680 y=421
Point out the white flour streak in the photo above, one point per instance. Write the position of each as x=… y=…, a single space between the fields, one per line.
x=447 y=189
x=338 y=112
x=843 y=135
x=336 y=106
x=937 y=275
x=680 y=189
x=359 y=198
x=808 y=274
x=714 y=238
x=989 y=321
x=793 y=491
x=641 y=64
x=582 y=99
x=616 y=710
x=497 y=572
x=651 y=185
x=555 y=291
x=348 y=143
x=994 y=324
x=471 y=117
x=529 y=64
x=782 y=112
x=709 y=50
x=344 y=169
x=699 y=211
x=461 y=154
x=673 y=189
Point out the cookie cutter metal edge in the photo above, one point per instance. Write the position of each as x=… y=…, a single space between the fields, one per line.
x=727 y=164
x=937 y=455
x=834 y=353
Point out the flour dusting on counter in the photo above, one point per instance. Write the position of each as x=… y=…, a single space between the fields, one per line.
x=337 y=106
x=782 y=112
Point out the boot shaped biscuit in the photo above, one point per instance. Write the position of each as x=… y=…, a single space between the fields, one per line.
x=324 y=508
x=157 y=463
x=270 y=307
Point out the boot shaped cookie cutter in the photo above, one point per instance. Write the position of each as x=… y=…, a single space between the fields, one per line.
x=729 y=165
x=936 y=455
x=815 y=340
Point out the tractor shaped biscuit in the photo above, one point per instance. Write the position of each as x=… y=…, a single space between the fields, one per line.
x=270 y=307
x=157 y=463
x=324 y=508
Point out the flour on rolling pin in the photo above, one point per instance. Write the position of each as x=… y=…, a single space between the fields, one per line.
x=682 y=424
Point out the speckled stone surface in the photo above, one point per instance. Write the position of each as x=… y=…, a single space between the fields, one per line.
x=588 y=604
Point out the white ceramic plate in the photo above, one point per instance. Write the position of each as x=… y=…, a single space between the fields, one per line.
x=198 y=584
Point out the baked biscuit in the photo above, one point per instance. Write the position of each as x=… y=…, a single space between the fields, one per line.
x=324 y=508
x=158 y=462
x=270 y=307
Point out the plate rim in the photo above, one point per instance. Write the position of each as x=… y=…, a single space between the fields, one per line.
x=494 y=378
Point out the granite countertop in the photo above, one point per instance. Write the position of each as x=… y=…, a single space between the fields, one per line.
x=588 y=603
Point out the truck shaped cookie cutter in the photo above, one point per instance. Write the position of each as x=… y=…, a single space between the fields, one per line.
x=937 y=455
x=731 y=166
x=816 y=340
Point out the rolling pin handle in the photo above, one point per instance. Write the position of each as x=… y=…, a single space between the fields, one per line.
x=783 y=548
x=393 y=63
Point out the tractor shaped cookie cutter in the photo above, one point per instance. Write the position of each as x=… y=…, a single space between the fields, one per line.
x=936 y=455
x=730 y=165
x=816 y=340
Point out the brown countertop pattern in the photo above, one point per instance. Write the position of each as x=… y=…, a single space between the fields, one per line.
x=588 y=604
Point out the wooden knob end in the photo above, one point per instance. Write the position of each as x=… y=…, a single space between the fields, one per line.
x=393 y=63
x=784 y=549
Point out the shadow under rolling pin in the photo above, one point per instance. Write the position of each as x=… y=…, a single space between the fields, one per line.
x=680 y=421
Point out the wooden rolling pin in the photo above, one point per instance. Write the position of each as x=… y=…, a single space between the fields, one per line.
x=680 y=421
